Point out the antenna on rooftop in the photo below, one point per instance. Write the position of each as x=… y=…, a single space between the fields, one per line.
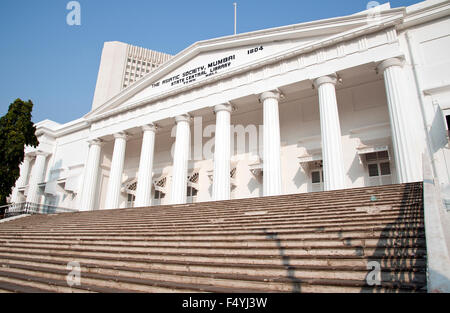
x=235 y=15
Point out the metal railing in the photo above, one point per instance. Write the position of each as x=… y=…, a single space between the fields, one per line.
x=15 y=209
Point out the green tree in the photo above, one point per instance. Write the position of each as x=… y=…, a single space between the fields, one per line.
x=16 y=131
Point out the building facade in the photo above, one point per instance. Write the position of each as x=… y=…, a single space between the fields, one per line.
x=340 y=103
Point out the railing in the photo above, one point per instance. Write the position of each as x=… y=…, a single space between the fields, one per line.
x=32 y=208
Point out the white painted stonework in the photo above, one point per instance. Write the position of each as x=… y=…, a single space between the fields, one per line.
x=339 y=103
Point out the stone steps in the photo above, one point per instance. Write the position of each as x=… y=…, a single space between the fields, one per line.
x=158 y=281
x=243 y=216
x=215 y=265
x=282 y=219
x=254 y=278
x=391 y=229
x=255 y=243
x=232 y=226
x=379 y=232
x=404 y=251
x=318 y=242
x=144 y=246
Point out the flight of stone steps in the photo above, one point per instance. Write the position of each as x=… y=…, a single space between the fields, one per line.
x=317 y=242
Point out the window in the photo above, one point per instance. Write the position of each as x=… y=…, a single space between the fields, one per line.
x=316 y=177
x=191 y=191
x=379 y=168
x=191 y=194
x=385 y=168
x=382 y=155
x=158 y=196
x=447 y=119
x=131 y=199
x=317 y=180
x=373 y=170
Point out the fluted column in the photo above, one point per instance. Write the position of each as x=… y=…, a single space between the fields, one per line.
x=271 y=140
x=180 y=160
x=22 y=181
x=403 y=141
x=222 y=152
x=115 y=175
x=144 y=180
x=333 y=160
x=91 y=172
x=37 y=177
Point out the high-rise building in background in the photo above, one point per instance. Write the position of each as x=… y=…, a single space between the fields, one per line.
x=121 y=65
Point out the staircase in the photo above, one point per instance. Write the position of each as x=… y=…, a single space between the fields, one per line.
x=316 y=242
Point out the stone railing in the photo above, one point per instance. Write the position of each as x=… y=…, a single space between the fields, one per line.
x=437 y=232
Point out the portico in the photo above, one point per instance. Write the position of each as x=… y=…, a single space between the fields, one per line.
x=268 y=109
x=291 y=114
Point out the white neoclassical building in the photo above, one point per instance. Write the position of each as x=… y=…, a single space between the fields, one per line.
x=339 y=103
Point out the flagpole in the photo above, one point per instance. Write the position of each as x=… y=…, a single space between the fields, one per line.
x=235 y=15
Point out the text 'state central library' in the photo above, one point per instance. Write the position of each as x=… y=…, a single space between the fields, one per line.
x=354 y=101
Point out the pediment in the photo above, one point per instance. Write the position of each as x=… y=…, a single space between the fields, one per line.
x=207 y=59
x=212 y=63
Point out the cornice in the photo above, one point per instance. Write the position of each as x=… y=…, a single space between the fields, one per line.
x=425 y=14
x=64 y=130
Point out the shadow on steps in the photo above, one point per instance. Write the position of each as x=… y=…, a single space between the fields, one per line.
x=399 y=255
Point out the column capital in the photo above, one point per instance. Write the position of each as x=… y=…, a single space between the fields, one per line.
x=272 y=94
x=95 y=142
x=121 y=135
x=182 y=118
x=223 y=107
x=388 y=63
x=149 y=127
x=27 y=157
x=330 y=79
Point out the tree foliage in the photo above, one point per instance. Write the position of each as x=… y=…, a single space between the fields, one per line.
x=16 y=131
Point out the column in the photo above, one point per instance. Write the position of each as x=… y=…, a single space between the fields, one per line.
x=407 y=166
x=180 y=160
x=22 y=181
x=333 y=164
x=144 y=180
x=37 y=177
x=91 y=173
x=271 y=141
x=222 y=153
x=115 y=175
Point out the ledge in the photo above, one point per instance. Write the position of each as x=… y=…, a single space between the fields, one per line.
x=438 y=260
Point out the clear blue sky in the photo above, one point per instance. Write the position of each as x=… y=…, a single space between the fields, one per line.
x=55 y=65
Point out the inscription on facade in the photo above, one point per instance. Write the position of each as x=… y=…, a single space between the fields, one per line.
x=205 y=70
